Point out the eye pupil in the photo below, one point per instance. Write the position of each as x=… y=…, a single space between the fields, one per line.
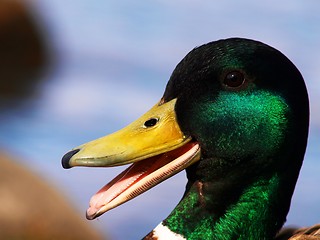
x=151 y=122
x=234 y=79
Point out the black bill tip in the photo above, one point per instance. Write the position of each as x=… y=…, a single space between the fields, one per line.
x=66 y=158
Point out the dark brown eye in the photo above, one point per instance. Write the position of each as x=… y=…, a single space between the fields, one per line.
x=234 y=79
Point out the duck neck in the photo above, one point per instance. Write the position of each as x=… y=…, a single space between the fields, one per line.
x=219 y=211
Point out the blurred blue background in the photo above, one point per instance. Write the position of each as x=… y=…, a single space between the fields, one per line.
x=112 y=62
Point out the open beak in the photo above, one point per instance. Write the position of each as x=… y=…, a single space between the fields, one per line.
x=155 y=145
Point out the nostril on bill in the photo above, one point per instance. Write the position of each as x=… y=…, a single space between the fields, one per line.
x=66 y=158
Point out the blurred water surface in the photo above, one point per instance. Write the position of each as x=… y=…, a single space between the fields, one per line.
x=112 y=62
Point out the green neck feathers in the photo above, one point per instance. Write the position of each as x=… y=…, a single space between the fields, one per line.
x=253 y=216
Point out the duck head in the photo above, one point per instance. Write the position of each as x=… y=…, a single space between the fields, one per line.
x=235 y=116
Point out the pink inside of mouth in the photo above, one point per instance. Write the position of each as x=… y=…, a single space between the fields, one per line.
x=130 y=176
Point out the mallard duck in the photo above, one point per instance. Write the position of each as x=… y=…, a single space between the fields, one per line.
x=235 y=116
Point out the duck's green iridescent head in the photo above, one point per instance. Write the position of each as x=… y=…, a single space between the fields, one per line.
x=246 y=105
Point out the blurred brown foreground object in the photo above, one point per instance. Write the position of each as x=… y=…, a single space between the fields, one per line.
x=23 y=53
x=31 y=209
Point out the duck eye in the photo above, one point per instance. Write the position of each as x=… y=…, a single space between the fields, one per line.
x=151 y=122
x=234 y=79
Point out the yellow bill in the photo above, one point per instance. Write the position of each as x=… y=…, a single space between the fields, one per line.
x=155 y=145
